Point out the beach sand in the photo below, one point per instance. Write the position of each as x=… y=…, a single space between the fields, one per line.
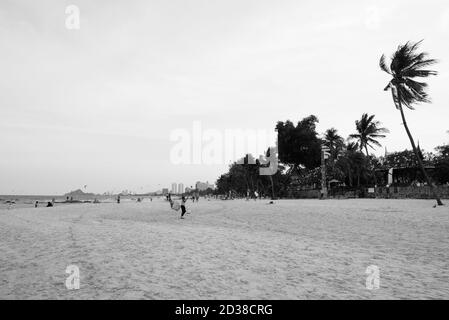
x=294 y=249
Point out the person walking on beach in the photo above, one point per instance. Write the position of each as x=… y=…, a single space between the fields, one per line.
x=170 y=200
x=183 y=206
x=36 y=204
x=118 y=199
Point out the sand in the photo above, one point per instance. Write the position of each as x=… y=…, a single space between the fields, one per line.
x=294 y=249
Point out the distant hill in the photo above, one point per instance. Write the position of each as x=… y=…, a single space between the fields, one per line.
x=77 y=193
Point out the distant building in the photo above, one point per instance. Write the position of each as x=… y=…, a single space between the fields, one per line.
x=174 y=188
x=402 y=176
x=201 y=186
x=180 y=188
x=165 y=191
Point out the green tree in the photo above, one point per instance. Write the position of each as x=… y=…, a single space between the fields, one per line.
x=353 y=163
x=401 y=159
x=299 y=146
x=334 y=142
x=406 y=65
x=368 y=131
x=442 y=163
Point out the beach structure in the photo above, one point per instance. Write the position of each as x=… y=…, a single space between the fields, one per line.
x=325 y=154
x=402 y=176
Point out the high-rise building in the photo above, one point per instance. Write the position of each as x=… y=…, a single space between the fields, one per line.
x=180 y=188
x=203 y=185
x=173 y=188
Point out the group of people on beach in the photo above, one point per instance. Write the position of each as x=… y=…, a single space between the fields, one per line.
x=49 y=203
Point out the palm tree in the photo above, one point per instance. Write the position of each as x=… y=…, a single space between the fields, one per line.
x=368 y=131
x=334 y=141
x=352 y=162
x=407 y=64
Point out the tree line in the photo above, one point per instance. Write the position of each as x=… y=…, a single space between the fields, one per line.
x=350 y=162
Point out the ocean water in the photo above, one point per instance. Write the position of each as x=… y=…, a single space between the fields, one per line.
x=28 y=201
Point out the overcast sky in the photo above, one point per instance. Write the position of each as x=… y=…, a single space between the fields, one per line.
x=96 y=106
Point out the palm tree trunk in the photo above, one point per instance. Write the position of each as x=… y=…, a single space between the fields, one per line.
x=415 y=150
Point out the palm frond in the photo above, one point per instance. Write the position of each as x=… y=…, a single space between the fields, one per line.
x=406 y=64
x=406 y=97
x=404 y=56
x=374 y=142
x=378 y=136
x=417 y=89
x=415 y=73
x=354 y=136
x=383 y=64
x=420 y=61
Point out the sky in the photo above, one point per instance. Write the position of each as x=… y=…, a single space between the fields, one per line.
x=97 y=105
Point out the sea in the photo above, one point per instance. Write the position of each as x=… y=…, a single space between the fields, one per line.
x=29 y=201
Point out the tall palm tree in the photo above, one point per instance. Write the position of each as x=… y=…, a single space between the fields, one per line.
x=407 y=64
x=368 y=131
